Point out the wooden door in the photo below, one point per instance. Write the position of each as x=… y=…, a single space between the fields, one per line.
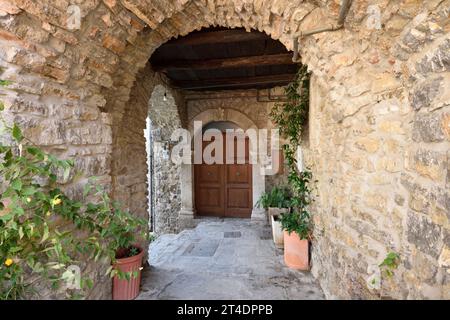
x=224 y=190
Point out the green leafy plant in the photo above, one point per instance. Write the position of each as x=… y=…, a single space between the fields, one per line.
x=120 y=229
x=42 y=231
x=290 y=117
x=390 y=263
x=297 y=222
x=278 y=197
x=384 y=271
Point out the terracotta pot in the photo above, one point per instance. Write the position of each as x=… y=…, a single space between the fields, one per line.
x=128 y=289
x=277 y=231
x=296 y=251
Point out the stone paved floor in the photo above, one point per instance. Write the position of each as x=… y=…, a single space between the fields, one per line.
x=223 y=259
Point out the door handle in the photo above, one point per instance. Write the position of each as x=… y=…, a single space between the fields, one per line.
x=209 y=173
x=238 y=173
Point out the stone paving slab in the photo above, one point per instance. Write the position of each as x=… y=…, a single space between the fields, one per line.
x=223 y=259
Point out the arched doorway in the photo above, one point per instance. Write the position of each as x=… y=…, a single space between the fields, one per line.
x=224 y=189
x=225 y=117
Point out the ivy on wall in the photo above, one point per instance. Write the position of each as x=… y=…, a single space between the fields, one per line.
x=291 y=117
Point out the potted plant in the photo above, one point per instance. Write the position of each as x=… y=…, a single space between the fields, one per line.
x=290 y=117
x=126 y=253
x=122 y=233
x=127 y=277
x=297 y=224
x=296 y=227
x=276 y=201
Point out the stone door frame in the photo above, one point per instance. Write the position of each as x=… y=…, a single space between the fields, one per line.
x=187 y=213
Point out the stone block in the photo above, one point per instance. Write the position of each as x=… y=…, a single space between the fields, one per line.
x=376 y=201
x=7 y=7
x=444 y=258
x=435 y=61
x=414 y=39
x=445 y=125
x=430 y=127
x=425 y=92
x=387 y=82
x=420 y=199
x=424 y=234
x=391 y=127
x=371 y=145
x=114 y=44
x=430 y=164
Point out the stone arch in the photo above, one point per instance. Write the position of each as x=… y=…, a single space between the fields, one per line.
x=129 y=167
x=282 y=22
x=213 y=114
x=80 y=94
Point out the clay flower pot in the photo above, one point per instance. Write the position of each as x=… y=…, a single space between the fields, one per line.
x=124 y=289
x=296 y=251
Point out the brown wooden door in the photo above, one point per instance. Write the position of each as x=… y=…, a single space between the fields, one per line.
x=224 y=190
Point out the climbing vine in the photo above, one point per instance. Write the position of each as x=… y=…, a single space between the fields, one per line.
x=290 y=117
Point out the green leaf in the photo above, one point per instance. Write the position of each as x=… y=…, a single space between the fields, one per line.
x=17 y=133
x=17 y=185
x=46 y=234
x=2 y=106
x=15 y=249
x=28 y=191
x=36 y=152
x=18 y=210
x=5 y=83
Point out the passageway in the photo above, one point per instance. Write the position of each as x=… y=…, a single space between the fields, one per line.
x=223 y=259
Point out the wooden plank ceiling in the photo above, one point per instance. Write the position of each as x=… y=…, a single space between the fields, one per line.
x=221 y=59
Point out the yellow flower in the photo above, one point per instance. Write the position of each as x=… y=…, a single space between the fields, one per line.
x=48 y=214
x=57 y=201
x=28 y=199
x=8 y=262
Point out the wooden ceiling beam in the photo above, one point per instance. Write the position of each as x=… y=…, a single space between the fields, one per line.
x=214 y=37
x=251 y=61
x=275 y=80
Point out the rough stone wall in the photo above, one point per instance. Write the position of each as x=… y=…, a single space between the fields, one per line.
x=379 y=129
x=379 y=148
x=167 y=176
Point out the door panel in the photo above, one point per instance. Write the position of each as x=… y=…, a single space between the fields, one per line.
x=224 y=190
x=238 y=173
x=210 y=173
x=210 y=197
